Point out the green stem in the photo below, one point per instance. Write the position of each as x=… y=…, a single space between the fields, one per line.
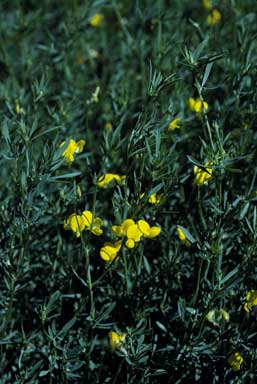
x=89 y=279
x=126 y=269
x=198 y=282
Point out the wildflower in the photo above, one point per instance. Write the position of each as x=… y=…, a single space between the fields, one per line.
x=96 y=20
x=78 y=223
x=19 y=110
x=216 y=316
x=183 y=237
x=93 y=224
x=108 y=178
x=109 y=251
x=225 y=315
x=75 y=223
x=251 y=298
x=214 y=17
x=202 y=176
x=207 y=4
x=146 y=230
x=235 y=360
x=155 y=198
x=116 y=340
x=197 y=106
x=174 y=124
x=135 y=232
x=108 y=126
x=79 y=194
x=134 y=235
x=72 y=148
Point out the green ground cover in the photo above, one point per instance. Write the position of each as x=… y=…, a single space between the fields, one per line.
x=128 y=191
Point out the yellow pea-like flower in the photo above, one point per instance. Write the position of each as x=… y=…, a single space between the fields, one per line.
x=235 y=361
x=135 y=232
x=75 y=223
x=109 y=251
x=197 y=106
x=116 y=340
x=183 y=237
x=72 y=148
x=96 y=20
x=202 y=176
x=174 y=124
x=78 y=223
x=214 y=17
x=251 y=298
x=105 y=180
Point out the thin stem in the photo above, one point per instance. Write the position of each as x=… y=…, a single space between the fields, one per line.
x=89 y=279
x=126 y=269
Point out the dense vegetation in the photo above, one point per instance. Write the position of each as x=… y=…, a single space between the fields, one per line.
x=128 y=191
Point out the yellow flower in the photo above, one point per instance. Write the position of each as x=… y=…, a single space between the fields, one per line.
x=93 y=224
x=75 y=223
x=216 y=316
x=72 y=148
x=108 y=178
x=108 y=126
x=109 y=251
x=235 y=360
x=207 y=4
x=134 y=235
x=79 y=194
x=116 y=340
x=225 y=315
x=214 y=17
x=135 y=231
x=155 y=198
x=174 y=124
x=19 y=110
x=197 y=106
x=148 y=231
x=251 y=298
x=96 y=20
x=202 y=176
x=78 y=223
x=183 y=237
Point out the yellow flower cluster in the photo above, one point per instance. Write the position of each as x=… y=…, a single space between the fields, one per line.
x=96 y=20
x=202 y=176
x=135 y=232
x=104 y=181
x=183 y=237
x=109 y=251
x=235 y=361
x=251 y=298
x=174 y=124
x=86 y=221
x=116 y=340
x=72 y=148
x=214 y=17
x=196 y=105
